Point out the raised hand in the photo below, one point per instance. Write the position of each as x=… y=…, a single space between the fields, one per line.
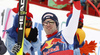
x=88 y=48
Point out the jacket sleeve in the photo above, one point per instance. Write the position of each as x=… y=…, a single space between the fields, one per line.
x=9 y=43
x=70 y=30
x=36 y=45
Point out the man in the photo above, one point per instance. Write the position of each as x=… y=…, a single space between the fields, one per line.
x=55 y=41
x=61 y=43
x=31 y=42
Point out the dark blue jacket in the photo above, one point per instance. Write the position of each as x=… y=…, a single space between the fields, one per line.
x=3 y=48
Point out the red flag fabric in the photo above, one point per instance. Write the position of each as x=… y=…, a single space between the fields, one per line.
x=66 y=52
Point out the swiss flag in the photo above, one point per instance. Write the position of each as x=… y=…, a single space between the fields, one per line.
x=62 y=2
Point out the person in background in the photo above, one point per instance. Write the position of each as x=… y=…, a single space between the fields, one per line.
x=31 y=42
x=41 y=1
x=98 y=6
x=83 y=3
x=95 y=3
x=3 y=48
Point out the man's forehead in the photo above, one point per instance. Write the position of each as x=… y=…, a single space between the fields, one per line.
x=48 y=20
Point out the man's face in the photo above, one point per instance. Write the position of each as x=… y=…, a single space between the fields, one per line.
x=49 y=26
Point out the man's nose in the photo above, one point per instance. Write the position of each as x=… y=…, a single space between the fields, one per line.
x=48 y=24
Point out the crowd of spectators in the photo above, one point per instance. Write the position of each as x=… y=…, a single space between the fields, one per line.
x=89 y=8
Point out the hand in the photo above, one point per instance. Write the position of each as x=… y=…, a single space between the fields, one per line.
x=16 y=48
x=88 y=48
x=33 y=35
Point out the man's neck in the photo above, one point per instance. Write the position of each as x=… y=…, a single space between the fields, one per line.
x=52 y=34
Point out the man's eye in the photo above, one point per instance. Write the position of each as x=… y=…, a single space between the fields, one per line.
x=51 y=22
